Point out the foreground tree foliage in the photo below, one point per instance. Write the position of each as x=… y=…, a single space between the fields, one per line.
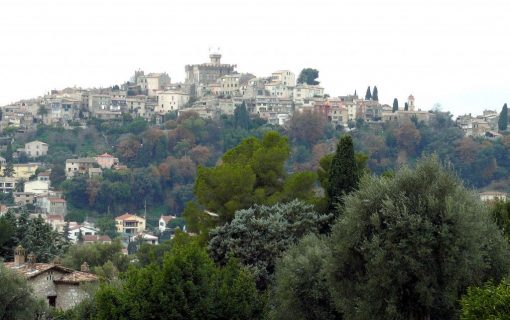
x=16 y=300
x=259 y=235
x=500 y=212
x=99 y=256
x=407 y=247
x=251 y=173
x=487 y=302
x=301 y=290
x=187 y=285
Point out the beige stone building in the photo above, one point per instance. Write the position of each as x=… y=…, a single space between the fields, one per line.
x=35 y=149
x=79 y=166
x=59 y=287
x=285 y=77
x=153 y=82
x=171 y=100
x=23 y=198
x=7 y=184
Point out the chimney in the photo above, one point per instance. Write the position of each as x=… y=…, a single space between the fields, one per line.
x=31 y=260
x=19 y=256
x=57 y=261
x=85 y=267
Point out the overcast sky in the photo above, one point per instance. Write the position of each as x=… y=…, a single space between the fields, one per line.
x=456 y=53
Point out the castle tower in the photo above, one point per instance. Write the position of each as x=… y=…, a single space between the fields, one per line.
x=410 y=102
x=215 y=58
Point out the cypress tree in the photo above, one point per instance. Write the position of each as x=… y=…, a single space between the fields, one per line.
x=395 y=105
x=343 y=173
x=375 y=94
x=368 y=95
x=241 y=117
x=503 y=118
x=406 y=108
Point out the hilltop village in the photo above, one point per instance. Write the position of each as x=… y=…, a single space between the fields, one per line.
x=120 y=166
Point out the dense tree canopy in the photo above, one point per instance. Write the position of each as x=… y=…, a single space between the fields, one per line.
x=415 y=242
x=308 y=76
x=187 y=285
x=301 y=290
x=251 y=173
x=487 y=302
x=257 y=236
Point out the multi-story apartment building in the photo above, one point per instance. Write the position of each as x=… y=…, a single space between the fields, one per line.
x=130 y=224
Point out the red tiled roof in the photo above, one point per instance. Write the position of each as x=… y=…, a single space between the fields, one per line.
x=95 y=237
x=105 y=155
x=126 y=216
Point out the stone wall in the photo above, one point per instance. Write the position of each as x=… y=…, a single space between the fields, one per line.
x=43 y=284
x=69 y=295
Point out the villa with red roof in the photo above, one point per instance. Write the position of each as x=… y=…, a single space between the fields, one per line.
x=106 y=161
x=130 y=224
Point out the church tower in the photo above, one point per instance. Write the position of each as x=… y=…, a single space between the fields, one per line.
x=410 y=102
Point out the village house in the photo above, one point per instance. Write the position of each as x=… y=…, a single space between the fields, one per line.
x=171 y=100
x=7 y=184
x=89 y=238
x=285 y=77
x=23 y=170
x=52 y=206
x=36 y=187
x=44 y=176
x=56 y=221
x=164 y=221
x=79 y=166
x=23 y=198
x=147 y=238
x=106 y=161
x=86 y=229
x=492 y=196
x=152 y=82
x=130 y=224
x=59 y=287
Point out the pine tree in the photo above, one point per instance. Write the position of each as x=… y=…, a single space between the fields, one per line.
x=343 y=174
x=395 y=105
x=503 y=118
x=375 y=94
x=368 y=95
x=406 y=108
